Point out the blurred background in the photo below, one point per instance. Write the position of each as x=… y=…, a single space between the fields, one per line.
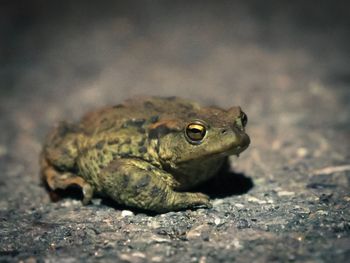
x=88 y=53
x=284 y=62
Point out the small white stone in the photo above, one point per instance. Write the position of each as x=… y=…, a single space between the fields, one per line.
x=96 y=201
x=253 y=199
x=138 y=255
x=70 y=203
x=322 y=212
x=217 y=221
x=158 y=239
x=126 y=213
x=153 y=224
x=269 y=201
x=285 y=193
x=217 y=202
x=237 y=244
x=157 y=259
x=302 y=152
x=239 y=205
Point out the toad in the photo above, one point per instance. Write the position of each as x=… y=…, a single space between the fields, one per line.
x=146 y=153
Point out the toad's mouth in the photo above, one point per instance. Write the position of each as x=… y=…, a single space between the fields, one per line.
x=234 y=148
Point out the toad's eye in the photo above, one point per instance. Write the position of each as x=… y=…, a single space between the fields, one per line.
x=244 y=119
x=195 y=132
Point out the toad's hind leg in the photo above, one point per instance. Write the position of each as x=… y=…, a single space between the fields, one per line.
x=62 y=180
x=138 y=184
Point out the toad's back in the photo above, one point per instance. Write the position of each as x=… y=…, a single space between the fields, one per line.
x=111 y=132
x=139 y=111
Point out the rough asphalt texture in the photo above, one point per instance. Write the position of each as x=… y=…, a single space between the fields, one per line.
x=286 y=63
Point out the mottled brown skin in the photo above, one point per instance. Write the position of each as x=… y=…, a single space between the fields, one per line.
x=143 y=153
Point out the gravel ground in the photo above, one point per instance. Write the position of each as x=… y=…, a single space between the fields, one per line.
x=286 y=63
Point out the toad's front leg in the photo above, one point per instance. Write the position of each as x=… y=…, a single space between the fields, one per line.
x=138 y=184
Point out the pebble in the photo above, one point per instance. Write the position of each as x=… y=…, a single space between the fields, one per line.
x=218 y=202
x=322 y=212
x=157 y=259
x=126 y=213
x=136 y=257
x=237 y=244
x=302 y=152
x=196 y=232
x=96 y=201
x=253 y=199
x=217 y=221
x=242 y=223
x=285 y=193
x=158 y=239
x=70 y=203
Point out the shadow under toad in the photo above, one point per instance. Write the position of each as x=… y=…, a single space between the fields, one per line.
x=226 y=183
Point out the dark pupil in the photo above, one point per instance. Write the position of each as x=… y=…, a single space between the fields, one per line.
x=244 y=119
x=195 y=131
x=195 y=134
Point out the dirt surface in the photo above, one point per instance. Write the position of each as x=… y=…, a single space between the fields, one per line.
x=286 y=63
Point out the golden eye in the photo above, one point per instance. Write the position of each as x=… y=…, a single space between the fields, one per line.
x=195 y=132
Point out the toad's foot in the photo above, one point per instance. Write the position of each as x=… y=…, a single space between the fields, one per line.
x=134 y=183
x=190 y=200
x=62 y=180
